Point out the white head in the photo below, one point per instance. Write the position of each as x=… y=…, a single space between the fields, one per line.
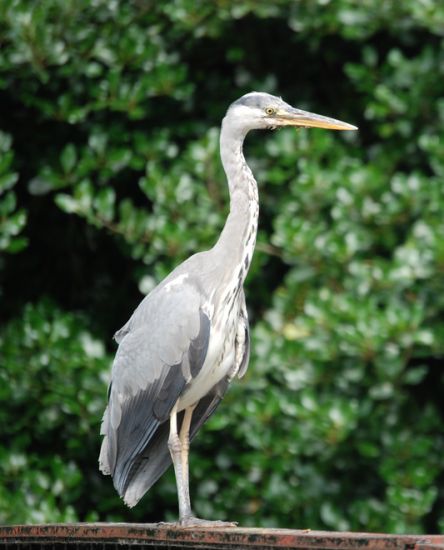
x=261 y=111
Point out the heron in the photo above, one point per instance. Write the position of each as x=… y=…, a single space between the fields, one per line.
x=189 y=337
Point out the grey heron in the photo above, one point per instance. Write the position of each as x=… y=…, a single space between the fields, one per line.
x=189 y=337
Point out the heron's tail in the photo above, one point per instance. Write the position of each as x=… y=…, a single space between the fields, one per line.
x=147 y=467
x=156 y=458
x=135 y=475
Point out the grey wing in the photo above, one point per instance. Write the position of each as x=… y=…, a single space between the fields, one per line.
x=162 y=348
x=156 y=458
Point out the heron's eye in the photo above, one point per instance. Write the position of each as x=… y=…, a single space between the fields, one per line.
x=270 y=111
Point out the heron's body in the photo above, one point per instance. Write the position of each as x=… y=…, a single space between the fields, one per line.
x=189 y=337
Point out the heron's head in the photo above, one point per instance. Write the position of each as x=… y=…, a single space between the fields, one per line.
x=258 y=110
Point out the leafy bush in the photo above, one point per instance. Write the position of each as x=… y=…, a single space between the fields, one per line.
x=109 y=176
x=53 y=388
x=12 y=220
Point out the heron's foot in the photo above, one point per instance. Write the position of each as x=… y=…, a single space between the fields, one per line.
x=192 y=521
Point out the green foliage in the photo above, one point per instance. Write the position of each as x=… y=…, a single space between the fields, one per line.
x=53 y=388
x=12 y=220
x=109 y=176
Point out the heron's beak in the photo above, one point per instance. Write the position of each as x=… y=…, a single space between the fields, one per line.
x=296 y=117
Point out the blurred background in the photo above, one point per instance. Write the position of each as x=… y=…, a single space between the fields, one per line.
x=110 y=176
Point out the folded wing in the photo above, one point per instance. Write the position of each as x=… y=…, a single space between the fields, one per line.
x=161 y=348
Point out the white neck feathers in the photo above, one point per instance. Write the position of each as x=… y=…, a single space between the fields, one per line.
x=238 y=237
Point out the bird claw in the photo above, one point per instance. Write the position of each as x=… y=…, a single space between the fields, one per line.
x=198 y=522
x=191 y=521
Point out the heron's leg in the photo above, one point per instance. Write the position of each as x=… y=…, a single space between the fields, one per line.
x=176 y=451
x=179 y=447
x=185 y=443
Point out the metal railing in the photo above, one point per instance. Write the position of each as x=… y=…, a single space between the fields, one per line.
x=128 y=535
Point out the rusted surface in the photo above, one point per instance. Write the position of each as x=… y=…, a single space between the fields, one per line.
x=167 y=536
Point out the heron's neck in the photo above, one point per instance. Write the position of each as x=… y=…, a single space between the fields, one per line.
x=238 y=238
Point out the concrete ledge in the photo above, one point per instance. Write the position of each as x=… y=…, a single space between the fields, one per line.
x=119 y=535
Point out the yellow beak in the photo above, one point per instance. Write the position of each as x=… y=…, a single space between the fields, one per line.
x=297 y=117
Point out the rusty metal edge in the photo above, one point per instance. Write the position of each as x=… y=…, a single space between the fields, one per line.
x=217 y=537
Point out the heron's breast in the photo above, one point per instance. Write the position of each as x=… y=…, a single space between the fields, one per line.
x=218 y=362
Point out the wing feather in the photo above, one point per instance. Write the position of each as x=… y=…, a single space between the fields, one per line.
x=157 y=356
x=156 y=459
